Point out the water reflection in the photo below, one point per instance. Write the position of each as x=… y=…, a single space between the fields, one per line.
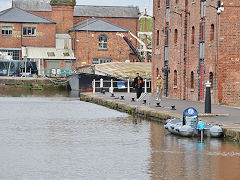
x=63 y=138
x=174 y=157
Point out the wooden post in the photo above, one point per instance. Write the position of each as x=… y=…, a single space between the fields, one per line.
x=94 y=86
x=101 y=85
x=145 y=88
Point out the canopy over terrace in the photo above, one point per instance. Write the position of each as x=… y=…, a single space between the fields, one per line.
x=50 y=58
x=124 y=70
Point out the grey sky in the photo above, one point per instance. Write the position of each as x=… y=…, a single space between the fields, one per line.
x=4 y=4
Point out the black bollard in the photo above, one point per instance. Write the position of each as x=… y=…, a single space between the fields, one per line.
x=144 y=101
x=173 y=107
x=112 y=95
x=133 y=99
x=208 y=98
x=158 y=104
x=122 y=97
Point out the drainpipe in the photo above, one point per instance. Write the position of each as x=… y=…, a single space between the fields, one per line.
x=185 y=51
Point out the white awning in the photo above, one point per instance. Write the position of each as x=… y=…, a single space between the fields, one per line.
x=47 y=53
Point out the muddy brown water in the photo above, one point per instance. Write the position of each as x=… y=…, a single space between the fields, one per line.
x=60 y=138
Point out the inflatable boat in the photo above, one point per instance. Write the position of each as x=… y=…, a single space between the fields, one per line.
x=177 y=126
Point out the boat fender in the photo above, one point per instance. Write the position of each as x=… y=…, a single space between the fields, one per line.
x=167 y=121
x=177 y=130
x=165 y=127
x=186 y=130
x=215 y=131
x=172 y=127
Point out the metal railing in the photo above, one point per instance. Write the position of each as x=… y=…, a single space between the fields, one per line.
x=120 y=85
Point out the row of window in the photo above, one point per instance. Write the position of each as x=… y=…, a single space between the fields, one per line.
x=175 y=82
x=31 y=31
x=192 y=35
x=26 y=31
x=101 y=60
x=167 y=3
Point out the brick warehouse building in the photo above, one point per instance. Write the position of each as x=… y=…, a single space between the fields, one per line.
x=195 y=42
x=96 y=41
x=60 y=51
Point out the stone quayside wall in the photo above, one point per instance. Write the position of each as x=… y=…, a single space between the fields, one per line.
x=148 y=113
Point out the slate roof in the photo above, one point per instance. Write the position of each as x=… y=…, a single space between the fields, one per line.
x=80 y=10
x=33 y=5
x=16 y=15
x=97 y=25
x=106 y=11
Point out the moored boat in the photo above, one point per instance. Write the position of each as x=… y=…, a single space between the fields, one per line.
x=190 y=126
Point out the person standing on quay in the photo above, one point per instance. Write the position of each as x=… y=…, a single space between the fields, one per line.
x=138 y=85
x=159 y=84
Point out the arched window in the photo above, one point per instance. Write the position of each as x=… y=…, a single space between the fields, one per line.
x=211 y=78
x=192 y=80
x=175 y=78
x=193 y=34
x=157 y=72
x=157 y=37
x=166 y=36
x=175 y=36
x=103 y=38
x=212 y=32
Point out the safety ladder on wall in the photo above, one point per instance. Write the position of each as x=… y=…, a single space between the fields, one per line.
x=144 y=95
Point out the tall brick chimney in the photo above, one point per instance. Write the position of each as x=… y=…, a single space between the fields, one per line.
x=62 y=14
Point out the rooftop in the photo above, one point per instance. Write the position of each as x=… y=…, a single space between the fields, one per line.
x=79 y=10
x=97 y=25
x=33 y=5
x=20 y=16
x=106 y=11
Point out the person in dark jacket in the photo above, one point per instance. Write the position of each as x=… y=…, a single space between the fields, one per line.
x=138 y=85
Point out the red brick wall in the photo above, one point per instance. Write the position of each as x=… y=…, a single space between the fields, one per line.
x=63 y=16
x=158 y=50
x=44 y=14
x=118 y=50
x=131 y=24
x=183 y=89
x=45 y=36
x=229 y=59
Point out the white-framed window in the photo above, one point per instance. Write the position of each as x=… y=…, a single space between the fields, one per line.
x=7 y=30
x=103 y=38
x=14 y=53
x=29 y=31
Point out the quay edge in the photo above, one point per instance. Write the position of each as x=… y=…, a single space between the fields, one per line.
x=148 y=113
x=128 y=108
x=33 y=83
